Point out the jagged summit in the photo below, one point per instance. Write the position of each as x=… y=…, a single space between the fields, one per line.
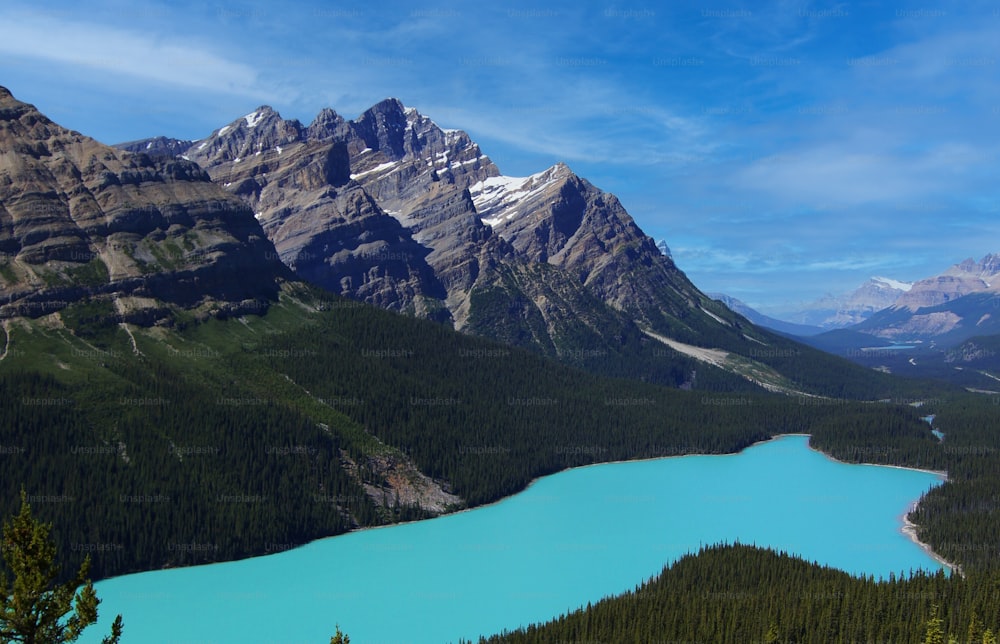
x=964 y=278
x=392 y=209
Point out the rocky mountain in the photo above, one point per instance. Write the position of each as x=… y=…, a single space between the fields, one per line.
x=961 y=279
x=141 y=233
x=844 y=310
x=324 y=225
x=943 y=310
x=391 y=209
x=958 y=304
x=758 y=318
x=558 y=218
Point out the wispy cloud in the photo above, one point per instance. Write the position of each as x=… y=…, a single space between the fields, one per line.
x=121 y=52
x=783 y=148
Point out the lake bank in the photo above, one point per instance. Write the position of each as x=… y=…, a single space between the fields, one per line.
x=568 y=539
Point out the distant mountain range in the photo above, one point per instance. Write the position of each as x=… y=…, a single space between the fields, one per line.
x=840 y=311
x=960 y=303
x=758 y=318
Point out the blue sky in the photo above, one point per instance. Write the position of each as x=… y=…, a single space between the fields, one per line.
x=784 y=150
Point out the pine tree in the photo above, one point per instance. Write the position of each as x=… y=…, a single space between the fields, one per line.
x=935 y=630
x=34 y=607
x=339 y=637
x=973 y=635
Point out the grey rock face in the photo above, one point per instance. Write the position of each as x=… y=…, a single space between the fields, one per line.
x=958 y=304
x=327 y=226
x=391 y=209
x=81 y=219
x=962 y=279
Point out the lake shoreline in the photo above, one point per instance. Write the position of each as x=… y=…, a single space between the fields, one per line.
x=569 y=542
x=909 y=528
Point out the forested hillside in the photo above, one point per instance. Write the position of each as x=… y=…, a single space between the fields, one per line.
x=739 y=593
x=215 y=440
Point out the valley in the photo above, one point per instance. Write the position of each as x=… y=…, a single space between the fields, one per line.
x=218 y=349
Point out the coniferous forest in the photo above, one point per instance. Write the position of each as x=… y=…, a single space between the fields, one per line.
x=733 y=592
x=224 y=439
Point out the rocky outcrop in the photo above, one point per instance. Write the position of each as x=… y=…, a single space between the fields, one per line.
x=324 y=224
x=391 y=209
x=962 y=279
x=960 y=303
x=560 y=219
x=80 y=219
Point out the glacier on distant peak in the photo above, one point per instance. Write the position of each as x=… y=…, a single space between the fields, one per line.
x=894 y=284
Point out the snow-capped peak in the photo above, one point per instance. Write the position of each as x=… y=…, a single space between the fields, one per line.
x=893 y=284
x=494 y=197
x=254 y=118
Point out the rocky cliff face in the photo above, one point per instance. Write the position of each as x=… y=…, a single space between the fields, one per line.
x=315 y=190
x=959 y=303
x=558 y=218
x=394 y=210
x=962 y=279
x=81 y=219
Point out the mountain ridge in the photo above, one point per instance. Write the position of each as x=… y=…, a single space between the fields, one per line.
x=436 y=184
x=847 y=309
x=959 y=303
x=383 y=209
x=81 y=219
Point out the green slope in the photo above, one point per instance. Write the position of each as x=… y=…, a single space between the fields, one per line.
x=743 y=594
x=216 y=440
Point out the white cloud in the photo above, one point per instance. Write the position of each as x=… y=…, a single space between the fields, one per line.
x=116 y=51
x=844 y=174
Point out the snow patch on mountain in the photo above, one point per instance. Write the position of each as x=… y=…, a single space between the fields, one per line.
x=893 y=284
x=253 y=119
x=496 y=198
x=379 y=168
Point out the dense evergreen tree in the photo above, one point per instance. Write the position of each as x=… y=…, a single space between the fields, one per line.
x=340 y=638
x=224 y=439
x=738 y=593
x=36 y=608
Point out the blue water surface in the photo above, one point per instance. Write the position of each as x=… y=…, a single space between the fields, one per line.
x=569 y=539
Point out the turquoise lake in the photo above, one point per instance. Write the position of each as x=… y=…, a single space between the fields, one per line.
x=570 y=538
